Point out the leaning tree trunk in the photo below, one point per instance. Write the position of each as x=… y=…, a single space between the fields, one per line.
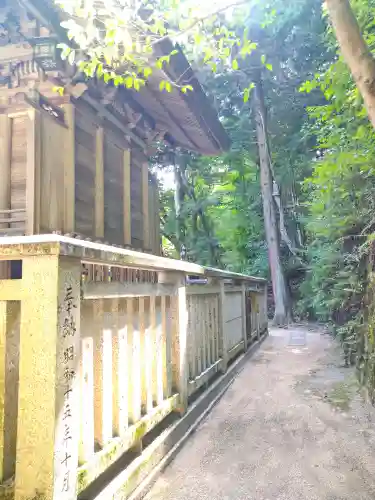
x=355 y=51
x=280 y=291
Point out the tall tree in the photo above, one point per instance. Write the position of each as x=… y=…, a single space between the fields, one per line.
x=355 y=51
x=280 y=292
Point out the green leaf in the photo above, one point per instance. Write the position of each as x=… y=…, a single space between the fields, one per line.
x=263 y=59
x=162 y=85
x=147 y=71
x=235 y=64
x=168 y=86
x=269 y=67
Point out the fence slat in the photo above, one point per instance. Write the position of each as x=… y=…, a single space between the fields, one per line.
x=147 y=354
x=87 y=396
x=122 y=369
x=135 y=400
x=167 y=335
x=156 y=323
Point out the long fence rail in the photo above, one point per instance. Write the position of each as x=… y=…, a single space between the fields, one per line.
x=98 y=345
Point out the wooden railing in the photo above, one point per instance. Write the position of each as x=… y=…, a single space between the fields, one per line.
x=12 y=222
x=95 y=354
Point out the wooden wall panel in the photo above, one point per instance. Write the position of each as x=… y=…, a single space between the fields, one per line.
x=85 y=132
x=18 y=162
x=154 y=217
x=52 y=176
x=136 y=202
x=113 y=192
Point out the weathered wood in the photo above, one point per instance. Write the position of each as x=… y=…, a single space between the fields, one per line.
x=113 y=192
x=5 y=164
x=69 y=169
x=112 y=289
x=145 y=208
x=244 y=315
x=203 y=377
x=179 y=356
x=127 y=198
x=147 y=346
x=166 y=333
x=99 y=184
x=102 y=374
x=33 y=193
x=223 y=341
x=123 y=373
x=133 y=329
x=87 y=441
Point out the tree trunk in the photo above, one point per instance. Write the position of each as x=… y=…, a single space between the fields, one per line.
x=355 y=51
x=280 y=292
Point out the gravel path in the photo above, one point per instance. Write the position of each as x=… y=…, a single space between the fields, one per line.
x=292 y=426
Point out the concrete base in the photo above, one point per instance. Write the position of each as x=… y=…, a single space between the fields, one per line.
x=134 y=481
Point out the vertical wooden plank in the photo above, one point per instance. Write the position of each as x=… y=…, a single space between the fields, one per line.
x=179 y=356
x=167 y=352
x=216 y=327
x=102 y=373
x=99 y=183
x=158 y=376
x=202 y=330
x=69 y=169
x=197 y=334
x=145 y=212
x=33 y=173
x=146 y=335
x=117 y=391
x=49 y=389
x=223 y=341
x=3 y=330
x=123 y=370
x=192 y=338
x=135 y=400
x=107 y=372
x=5 y=162
x=208 y=329
x=86 y=450
x=127 y=198
x=243 y=314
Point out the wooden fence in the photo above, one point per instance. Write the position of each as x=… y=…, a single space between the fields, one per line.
x=93 y=357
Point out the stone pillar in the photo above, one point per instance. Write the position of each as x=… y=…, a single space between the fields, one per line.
x=48 y=398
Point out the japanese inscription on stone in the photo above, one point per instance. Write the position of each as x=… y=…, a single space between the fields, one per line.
x=67 y=424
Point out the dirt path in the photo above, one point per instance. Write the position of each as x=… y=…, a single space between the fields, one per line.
x=291 y=427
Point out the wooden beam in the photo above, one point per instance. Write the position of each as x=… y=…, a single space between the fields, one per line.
x=116 y=289
x=127 y=198
x=145 y=211
x=99 y=184
x=69 y=169
x=33 y=172
x=5 y=162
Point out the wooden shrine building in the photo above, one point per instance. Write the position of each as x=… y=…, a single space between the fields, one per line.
x=77 y=164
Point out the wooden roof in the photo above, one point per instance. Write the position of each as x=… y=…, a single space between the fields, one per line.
x=184 y=120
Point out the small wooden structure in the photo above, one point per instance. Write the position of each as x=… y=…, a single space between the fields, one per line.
x=78 y=163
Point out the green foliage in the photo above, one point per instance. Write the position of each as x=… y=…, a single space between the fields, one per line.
x=341 y=202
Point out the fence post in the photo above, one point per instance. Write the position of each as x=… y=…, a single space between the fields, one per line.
x=179 y=320
x=264 y=309
x=49 y=383
x=244 y=315
x=223 y=343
